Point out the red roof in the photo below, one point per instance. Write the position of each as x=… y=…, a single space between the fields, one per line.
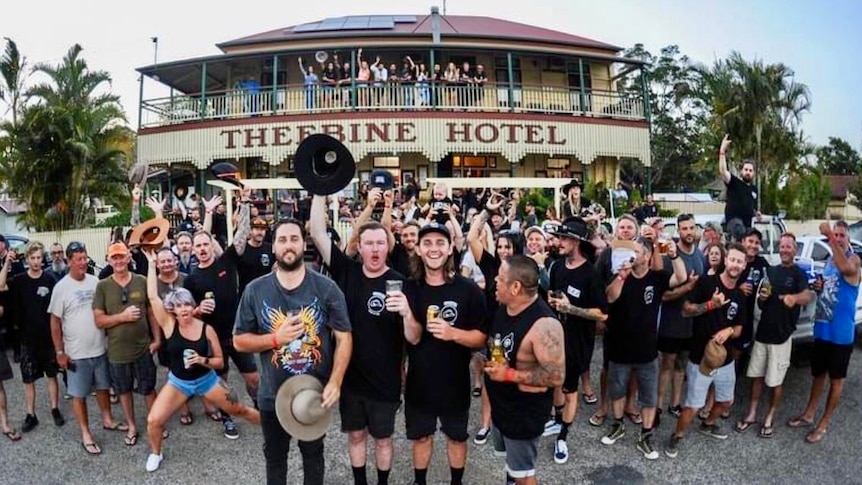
x=840 y=185
x=450 y=26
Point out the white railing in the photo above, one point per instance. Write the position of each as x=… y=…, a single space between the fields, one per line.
x=289 y=100
x=96 y=240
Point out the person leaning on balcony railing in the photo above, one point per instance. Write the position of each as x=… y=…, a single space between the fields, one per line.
x=465 y=80
x=393 y=85
x=309 y=80
x=363 y=77
x=329 y=79
x=450 y=81
x=408 y=78
x=381 y=77
x=344 y=75
x=437 y=78
x=480 y=77
x=422 y=96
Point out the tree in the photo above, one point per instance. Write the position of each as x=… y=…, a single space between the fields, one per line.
x=69 y=147
x=838 y=157
x=12 y=76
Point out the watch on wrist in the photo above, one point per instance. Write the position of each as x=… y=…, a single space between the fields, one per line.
x=61 y=352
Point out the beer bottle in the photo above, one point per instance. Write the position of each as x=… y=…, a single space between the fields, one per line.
x=498 y=356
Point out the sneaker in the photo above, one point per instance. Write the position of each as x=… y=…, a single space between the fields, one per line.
x=552 y=428
x=230 y=431
x=153 y=462
x=712 y=430
x=672 y=446
x=561 y=452
x=482 y=436
x=674 y=411
x=617 y=431
x=644 y=445
x=59 y=420
x=30 y=422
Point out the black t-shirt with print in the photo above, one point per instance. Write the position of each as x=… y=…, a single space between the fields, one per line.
x=29 y=298
x=438 y=374
x=378 y=335
x=777 y=322
x=707 y=324
x=399 y=260
x=584 y=290
x=741 y=200
x=752 y=273
x=253 y=263
x=220 y=278
x=632 y=333
x=490 y=266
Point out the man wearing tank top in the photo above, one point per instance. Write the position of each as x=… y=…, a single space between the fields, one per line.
x=521 y=389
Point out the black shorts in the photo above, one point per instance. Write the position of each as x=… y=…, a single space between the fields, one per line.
x=670 y=345
x=5 y=369
x=421 y=424
x=358 y=413
x=141 y=372
x=37 y=363
x=831 y=358
x=244 y=362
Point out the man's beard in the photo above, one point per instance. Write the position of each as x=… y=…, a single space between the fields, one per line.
x=58 y=266
x=295 y=265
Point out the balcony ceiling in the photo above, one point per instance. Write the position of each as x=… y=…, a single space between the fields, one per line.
x=409 y=25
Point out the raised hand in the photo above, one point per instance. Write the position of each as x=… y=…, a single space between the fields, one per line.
x=156 y=205
x=725 y=143
x=212 y=203
x=718 y=299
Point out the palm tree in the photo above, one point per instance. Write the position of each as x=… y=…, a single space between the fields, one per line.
x=12 y=76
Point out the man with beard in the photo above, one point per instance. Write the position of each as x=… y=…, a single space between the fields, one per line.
x=576 y=292
x=674 y=331
x=634 y=300
x=58 y=267
x=287 y=316
x=439 y=350
x=372 y=387
x=717 y=306
x=780 y=304
x=741 y=198
x=186 y=260
x=521 y=388
x=400 y=256
x=255 y=258
x=749 y=281
x=214 y=285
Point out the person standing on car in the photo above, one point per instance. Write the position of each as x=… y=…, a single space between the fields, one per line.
x=741 y=197
x=780 y=303
x=834 y=329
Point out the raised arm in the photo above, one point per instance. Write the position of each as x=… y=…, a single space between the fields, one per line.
x=317 y=229
x=302 y=67
x=157 y=206
x=136 y=205
x=4 y=273
x=243 y=222
x=160 y=315
x=209 y=208
x=474 y=241
x=679 y=275
x=722 y=160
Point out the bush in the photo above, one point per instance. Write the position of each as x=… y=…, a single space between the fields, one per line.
x=124 y=218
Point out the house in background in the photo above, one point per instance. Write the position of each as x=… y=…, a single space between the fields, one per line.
x=841 y=203
x=9 y=212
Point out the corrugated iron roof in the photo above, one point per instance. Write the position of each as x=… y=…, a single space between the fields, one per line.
x=450 y=25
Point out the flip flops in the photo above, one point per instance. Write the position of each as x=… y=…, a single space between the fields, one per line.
x=742 y=426
x=597 y=419
x=12 y=434
x=187 y=419
x=91 y=448
x=765 y=431
x=635 y=418
x=590 y=398
x=799 y=422
x=118 y=426
x=131 y=439
x=815 y=436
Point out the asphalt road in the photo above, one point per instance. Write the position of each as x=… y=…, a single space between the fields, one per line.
x=200 y=454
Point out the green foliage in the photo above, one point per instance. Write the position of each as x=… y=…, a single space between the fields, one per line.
x=124 y=218
x=539 y=199
x=805 y=195
x=838 y=157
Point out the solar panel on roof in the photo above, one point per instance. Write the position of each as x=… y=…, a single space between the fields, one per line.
x=399 y=19
x=381 y=23
x=356 y=23
x=332 y=23
x=311 y=27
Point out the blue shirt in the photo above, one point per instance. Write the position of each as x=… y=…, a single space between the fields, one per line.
x=835 y=315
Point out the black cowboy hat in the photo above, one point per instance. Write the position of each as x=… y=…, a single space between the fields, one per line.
x=323 y=164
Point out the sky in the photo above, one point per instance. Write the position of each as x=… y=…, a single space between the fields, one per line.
x=820 y=43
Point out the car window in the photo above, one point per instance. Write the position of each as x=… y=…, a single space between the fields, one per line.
x=819 y=252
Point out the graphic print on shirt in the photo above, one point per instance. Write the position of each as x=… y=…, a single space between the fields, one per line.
x=649 y=294
x=302 y=354
x=449 y=312
x=732 y=310
x=827 y=298
x=508 y=344
x=376 y=303
x=264 y=260
x=43 y=291
x=574 y=292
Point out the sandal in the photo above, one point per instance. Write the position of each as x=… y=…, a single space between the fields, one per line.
x=116 y=427
x=815 y=436
x=114 y=399
x=131 y=439
x=590 y=398
x=765 y=431
x=187 y=419
x=166 y=434
x=215 y=416
x=12 y=434
x=597 y=419
x=477 y=392
x=635 y=418
x=91 y=448
x=725 y=414
x=799 y=422
x=742 y=426
x=703 y=414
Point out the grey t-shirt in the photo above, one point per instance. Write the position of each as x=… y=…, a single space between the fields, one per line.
x=672 y=323
x=266 y=304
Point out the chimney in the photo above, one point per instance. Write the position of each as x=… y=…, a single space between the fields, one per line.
x=435 y=25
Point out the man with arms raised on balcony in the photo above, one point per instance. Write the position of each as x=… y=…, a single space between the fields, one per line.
x=372 y=386
x=834 y=329
x=741 y=199
x=521 y=389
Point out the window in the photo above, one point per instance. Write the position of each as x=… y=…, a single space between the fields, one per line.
x=386 y=162
x=573 y=70
x=558 y=163
x=501 y=70
x=819 y=252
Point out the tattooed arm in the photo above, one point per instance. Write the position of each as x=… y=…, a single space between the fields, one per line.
x=546 y=338
x=586 y=313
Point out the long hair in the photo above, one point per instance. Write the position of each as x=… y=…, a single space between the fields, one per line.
x=417 y=267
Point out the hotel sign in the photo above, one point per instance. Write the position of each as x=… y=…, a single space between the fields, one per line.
x=433 y=137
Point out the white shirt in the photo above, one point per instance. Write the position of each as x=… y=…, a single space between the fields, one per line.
x=72 y=302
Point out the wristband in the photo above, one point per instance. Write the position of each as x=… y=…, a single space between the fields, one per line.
x=721 y=153
x=274 y=342
x=675 y=257
x=209 y=212
x=510 y=375
x=709 y=306
x=60 y=352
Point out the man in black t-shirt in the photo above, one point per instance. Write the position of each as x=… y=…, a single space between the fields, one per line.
x=576 y=292
x=439 y=350
x=741 y=197
x=372 y=386
x=749 y=281
x=406 y=246
x=634 y=300
x=718 y=306
x=255 y=259
x=214 y=285
x=780 y=301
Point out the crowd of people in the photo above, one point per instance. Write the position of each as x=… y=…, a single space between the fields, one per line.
x=434 y=305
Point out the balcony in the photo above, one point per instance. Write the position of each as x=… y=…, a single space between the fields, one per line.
x=302 y=100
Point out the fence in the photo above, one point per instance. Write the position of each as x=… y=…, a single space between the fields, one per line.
x=96 y=239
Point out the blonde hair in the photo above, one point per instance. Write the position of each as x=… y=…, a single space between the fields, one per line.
x=32 y=247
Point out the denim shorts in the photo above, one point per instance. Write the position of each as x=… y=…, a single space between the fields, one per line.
x=87 y=373
x=618 y=381
x=198 y=387
x=520 y=455
x=724 y=379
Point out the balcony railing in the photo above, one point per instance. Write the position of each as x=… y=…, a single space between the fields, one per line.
x=295 y=100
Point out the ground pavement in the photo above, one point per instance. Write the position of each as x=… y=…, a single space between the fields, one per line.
x=200 y=454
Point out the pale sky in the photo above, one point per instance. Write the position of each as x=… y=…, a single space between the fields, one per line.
x=819 y=42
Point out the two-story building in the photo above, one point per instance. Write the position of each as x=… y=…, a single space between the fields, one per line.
x=463 y=97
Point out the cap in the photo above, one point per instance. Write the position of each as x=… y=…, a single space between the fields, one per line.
x=381 y=179
x=117 y=249
x=259 y=222
x=435 y=227
x=2 y=238
x=533 y=229
x=575 y=228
